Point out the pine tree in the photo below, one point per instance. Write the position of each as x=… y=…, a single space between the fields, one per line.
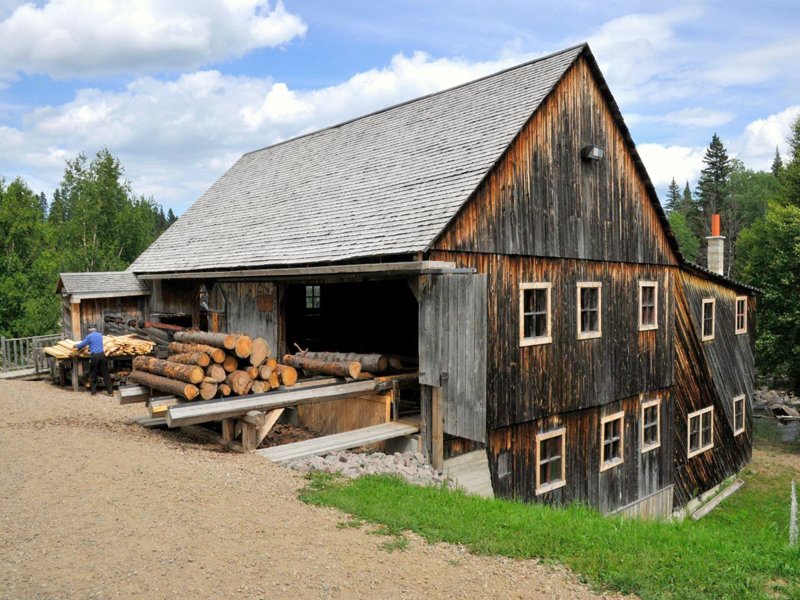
x=673 y=197
x=777 y=164
x=713 y=183
x=43 y=204
x=171 y=218
x=791 y=169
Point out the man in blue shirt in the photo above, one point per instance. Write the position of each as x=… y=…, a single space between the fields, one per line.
x=98 y=361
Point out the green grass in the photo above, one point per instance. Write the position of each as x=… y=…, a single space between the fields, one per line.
x=739 y=551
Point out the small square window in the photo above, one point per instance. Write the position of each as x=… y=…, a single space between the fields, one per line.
x=612 y=440
x=590 y=303
x=709 y=318
x=741 y=315
x=313 y=300
x=648 y=305
x=701 y=431
x=550 y=465
x=738 y=415
x=534 y=314
x=651 y=425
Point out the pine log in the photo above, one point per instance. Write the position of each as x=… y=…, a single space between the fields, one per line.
x=201 y=359
x=259 y=387
x=226 y=341
x=260 y=351
x=187 y=373
x=240 y=382
x=274 y=381
x=265 y=371
x=374 y=363
x=224 y=389
x=231 y=364
x=164 y=384
x=287 y=375
x=216 y=354
x=272 y=363
x=208 y=389
x=243 y=346
x=217 y=373
x=321 y=367
x=252 y=372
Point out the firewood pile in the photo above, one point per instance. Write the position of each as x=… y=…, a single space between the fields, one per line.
x=204 y=365
x=113 y=346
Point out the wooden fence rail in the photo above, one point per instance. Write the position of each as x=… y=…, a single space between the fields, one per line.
x=25 y=353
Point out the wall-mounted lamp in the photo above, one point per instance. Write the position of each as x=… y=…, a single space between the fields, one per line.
x=592 y=153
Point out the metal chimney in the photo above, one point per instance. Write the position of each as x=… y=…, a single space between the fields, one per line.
x=716 y=247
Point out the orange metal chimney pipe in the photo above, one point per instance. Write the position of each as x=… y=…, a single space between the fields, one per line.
x=715 y=225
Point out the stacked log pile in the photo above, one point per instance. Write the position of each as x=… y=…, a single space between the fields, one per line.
x=113 y=346
x=205 y=365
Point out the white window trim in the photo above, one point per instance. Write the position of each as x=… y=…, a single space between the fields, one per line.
x=537 y=340
x=648 y=404
x=604 y=465
x=591 y=334
x=698 y=413
x=653 y=284
x=736 y=315
x=713 y=303
x=743 y=399
x=562 y=432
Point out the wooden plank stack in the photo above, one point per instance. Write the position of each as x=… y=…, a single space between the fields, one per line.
x=113 y=346
x=206 y=365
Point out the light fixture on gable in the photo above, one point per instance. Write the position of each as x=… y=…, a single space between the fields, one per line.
x=592 y=153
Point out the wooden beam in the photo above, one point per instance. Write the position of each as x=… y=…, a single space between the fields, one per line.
x=75 y=317
x=437 y=429
x=216 y=410
x=714 y=502
x=132 y=394
x=75 y=380
x=271 y=418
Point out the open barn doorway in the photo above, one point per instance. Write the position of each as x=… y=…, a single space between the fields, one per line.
x=368 y=317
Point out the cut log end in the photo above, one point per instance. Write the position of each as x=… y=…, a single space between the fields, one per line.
x=287 y=375
x=260 y=351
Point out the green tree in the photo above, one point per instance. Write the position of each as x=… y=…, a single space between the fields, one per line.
x=770 y=256
x=673 y=197
x=777 y=164
x=171 y=218
x=687 y=240
x=712 y=187
x=791 y=171
x=28 y=304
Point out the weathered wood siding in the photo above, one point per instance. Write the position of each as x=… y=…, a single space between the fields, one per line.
x=94 y=310
x=512 y=457
x=542 y=199
x=175 y=296
x=711 y=373
x=528 y=383
x=251 y=307
x=452 y=349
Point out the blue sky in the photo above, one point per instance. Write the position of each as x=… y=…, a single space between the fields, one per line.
x=179 y=90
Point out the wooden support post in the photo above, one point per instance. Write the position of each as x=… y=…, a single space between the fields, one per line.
x=269 y=423
x=75 y=380
x=248 y=437
x=228 y=427
x=437 y=429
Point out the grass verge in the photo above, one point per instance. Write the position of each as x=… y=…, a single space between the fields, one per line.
x=739 y=551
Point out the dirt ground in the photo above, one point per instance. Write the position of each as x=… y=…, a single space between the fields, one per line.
x=93 y=506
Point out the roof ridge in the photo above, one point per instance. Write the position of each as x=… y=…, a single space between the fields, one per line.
x=420 y=98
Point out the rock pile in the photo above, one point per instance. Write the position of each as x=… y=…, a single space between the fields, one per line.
x=411 y=466
x=775 y=403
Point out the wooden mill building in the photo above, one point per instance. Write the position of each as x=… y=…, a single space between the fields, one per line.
x=506 y=234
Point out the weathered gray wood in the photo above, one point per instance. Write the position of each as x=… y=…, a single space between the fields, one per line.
x=132 y=394
x=709 y=506
x=216 y=410
x=339 y=441
x=452 y=346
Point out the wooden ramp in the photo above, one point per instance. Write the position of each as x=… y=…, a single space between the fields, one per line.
x=17 y=374
x=471 y=473
x=339 y=441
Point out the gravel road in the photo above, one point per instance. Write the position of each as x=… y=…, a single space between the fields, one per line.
x=93 y=506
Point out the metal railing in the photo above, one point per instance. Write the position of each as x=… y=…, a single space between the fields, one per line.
x=26 y=353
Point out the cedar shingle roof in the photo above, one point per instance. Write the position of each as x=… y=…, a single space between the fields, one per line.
x=100 y=282
x=386 y=183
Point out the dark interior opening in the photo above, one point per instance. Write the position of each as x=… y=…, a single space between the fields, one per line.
x=367 y=317
x=179 y=320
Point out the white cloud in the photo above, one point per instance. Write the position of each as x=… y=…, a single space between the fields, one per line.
x=756 y=146
x=176 y=137
x=758 y=65
x=687 y=117
x=665 y=162
x=67 y=38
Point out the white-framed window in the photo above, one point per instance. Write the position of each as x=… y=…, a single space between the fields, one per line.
x=700 y=431
x=738 y=415
x=651 y=425
x=741 y=315
x=550 y=465
x=648 y=305
x=535 y=321
x=590 y=309
x=708 y=325
x=612 y=440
